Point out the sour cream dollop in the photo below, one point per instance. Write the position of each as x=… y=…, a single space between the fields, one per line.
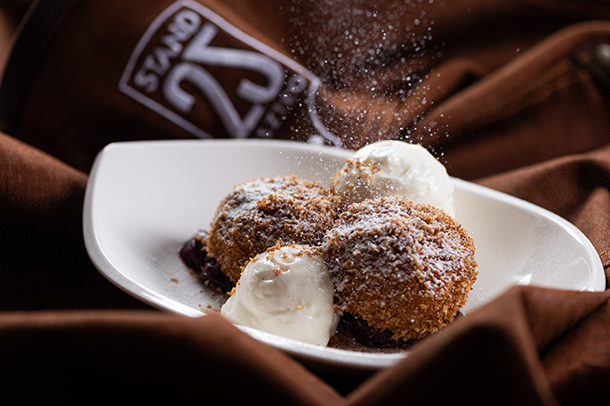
x=394 y=168
x=285 y=291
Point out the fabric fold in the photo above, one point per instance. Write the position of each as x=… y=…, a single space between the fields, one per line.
x=503 y=343
x=170 y=356
x=36 y=188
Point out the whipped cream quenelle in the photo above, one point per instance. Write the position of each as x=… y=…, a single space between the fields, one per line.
x=394 y=168
x=285 y=291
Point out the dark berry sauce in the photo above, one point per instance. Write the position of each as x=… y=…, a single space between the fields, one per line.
x=194 y=255
x=369 y=336
x=355 y=334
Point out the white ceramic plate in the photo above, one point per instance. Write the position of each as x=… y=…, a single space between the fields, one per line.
x=144 y=199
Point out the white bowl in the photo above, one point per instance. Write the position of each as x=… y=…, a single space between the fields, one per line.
x=145 y=199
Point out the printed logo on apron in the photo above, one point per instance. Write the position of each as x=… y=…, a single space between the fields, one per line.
x=208 y=77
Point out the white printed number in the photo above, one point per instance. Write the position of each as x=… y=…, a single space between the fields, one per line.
x=199 y=51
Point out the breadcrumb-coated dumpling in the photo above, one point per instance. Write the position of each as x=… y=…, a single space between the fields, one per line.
x=258 y=214
x=400 y=267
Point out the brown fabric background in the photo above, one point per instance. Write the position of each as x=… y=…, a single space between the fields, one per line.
x=509 y=103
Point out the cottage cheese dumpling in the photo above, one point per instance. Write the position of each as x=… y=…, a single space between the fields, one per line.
x=285 y=291
x=402 y=268
x=258 y=214
x=394 y=168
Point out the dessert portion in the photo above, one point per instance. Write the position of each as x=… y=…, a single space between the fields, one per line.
x=285 y=291
x=404 y=269
x=374 y=257
x=394 y=168
x=258 y=214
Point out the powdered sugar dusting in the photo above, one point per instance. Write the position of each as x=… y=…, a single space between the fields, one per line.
x=260 y=213
x=400 y=266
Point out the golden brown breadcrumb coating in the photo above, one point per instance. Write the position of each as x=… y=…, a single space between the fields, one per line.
x=399 y=266
x=258 y=214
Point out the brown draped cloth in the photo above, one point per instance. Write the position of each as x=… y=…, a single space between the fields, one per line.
x=514 y=95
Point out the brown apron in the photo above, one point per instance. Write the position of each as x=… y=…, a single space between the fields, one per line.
x=513 y=95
